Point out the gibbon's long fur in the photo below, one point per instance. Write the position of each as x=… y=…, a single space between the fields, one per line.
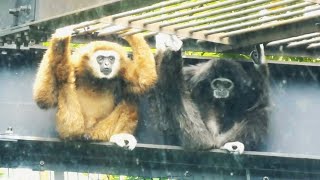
x=88 y=105
x=183 y=102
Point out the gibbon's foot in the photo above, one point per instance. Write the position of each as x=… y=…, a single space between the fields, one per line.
x=124 y=140
x=86 y=137
x=72 y=132
x=167 y=41
x=234 y=147
x=258 y=55
x=94 y=135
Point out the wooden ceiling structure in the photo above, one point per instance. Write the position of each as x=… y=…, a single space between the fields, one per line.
x=231 y=23
x=284 y=26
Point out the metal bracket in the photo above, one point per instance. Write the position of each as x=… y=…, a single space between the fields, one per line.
x=23 y=12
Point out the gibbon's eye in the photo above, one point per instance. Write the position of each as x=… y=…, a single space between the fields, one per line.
x=222 y=83
x=100 y=59
x=111 y=59
x=227 y=84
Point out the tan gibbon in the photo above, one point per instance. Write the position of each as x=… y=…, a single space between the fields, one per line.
x=95 y=89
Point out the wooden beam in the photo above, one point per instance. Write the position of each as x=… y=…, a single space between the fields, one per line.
x=268 y=33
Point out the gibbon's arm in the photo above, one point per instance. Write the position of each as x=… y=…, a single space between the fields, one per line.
x=176 y=103
x=56 y=74
x=70 y=122
x=45 y=86
x=140 y=74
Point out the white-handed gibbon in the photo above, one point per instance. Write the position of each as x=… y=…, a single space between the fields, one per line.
x=215 y=104
x=95 y=88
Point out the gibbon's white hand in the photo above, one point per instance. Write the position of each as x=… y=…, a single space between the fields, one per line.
x=64 y=32
x=69 y=30
x=234 y=147
x=124 y=140
x=167 y=41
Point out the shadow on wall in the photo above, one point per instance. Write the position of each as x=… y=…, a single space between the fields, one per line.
x=294 y=125
x=17 y=109
x=295 y=119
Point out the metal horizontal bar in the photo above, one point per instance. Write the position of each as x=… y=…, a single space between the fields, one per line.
x=148 y=8
x=264 y=20
x=13 y=31
x=147 y=15
x=313 y=46
x=32 y=139
x=297 y=38
x=233 y=33
x=304 y=42
x=249 y=16
x=149 y=160
x=224 y=3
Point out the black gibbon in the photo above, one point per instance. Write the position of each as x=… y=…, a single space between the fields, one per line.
x=95 y=88
x=215 y=104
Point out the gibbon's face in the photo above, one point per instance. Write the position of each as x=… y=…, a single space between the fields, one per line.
x=229 y=80
x=105 y=64
x=221 y=87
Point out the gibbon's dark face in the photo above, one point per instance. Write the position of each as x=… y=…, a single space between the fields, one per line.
x=105 y=64
x=222 y=87
x=228 y=80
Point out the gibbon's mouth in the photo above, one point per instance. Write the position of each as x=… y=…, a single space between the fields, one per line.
x=221 y=94
x=106 y=71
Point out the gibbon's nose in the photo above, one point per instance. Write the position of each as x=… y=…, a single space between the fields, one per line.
x=106 y=65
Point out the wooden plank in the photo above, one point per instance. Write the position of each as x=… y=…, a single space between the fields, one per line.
x=270 y=32
x=292 y=39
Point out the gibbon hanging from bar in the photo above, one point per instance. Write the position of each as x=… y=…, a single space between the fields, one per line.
x=214 y=104
x=95 y=89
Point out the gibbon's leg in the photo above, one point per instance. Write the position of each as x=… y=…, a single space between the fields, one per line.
x=260 y=62
x=140 y=73
x=69 y=119
x=250 y=132
x=118 y=127
x=192 y=130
